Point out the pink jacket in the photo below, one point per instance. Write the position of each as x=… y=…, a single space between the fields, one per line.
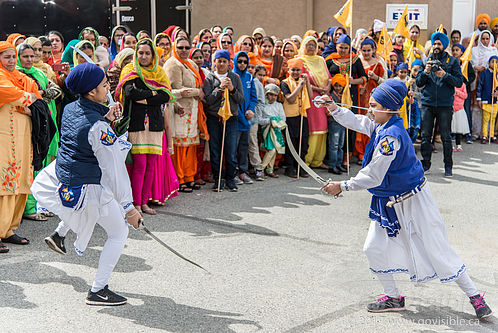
x=460 y=97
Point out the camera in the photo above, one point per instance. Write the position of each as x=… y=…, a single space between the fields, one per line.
x=435 y=65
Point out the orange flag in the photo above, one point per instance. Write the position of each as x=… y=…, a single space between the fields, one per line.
x=225 y=113
x=345 y=14
x=346 y=94
x=402 y=26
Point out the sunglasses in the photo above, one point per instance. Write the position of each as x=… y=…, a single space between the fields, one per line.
x=242 y=61
x=247 y=44
x=225 y=42
x=183 y=47
x=321 y=48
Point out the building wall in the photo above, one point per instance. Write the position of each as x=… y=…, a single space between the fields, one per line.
x=284 y=18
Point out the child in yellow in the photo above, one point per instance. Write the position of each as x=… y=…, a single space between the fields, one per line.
x=486 y=98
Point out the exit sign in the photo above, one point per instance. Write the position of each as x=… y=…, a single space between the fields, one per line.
x=417 y=14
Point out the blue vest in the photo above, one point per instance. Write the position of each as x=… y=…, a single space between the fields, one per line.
x=404 y=174
x=76 y=163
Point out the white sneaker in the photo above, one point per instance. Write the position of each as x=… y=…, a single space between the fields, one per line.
x=238 y=181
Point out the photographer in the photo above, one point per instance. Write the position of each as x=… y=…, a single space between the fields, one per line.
x=438 y=79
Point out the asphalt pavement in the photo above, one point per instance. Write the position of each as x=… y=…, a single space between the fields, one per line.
x=281 y=257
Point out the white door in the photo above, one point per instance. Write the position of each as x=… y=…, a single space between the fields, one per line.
x=464 y=13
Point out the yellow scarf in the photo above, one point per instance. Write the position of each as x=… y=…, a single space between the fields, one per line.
x=314 y=64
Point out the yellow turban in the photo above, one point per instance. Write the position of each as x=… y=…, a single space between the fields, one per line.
x=493 y=23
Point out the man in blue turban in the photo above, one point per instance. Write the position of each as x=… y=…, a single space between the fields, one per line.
x=401 y=201
x=438 y=79
x=88 y=184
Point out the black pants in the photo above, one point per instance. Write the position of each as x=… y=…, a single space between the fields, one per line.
x=293 y=126
x=443 y=115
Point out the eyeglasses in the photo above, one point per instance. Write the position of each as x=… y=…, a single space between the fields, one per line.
x=225 y=42
x=247 y=44
x=242 y=61
x=321 y=48
x=183 y=48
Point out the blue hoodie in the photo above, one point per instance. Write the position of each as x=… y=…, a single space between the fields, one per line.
x=250 y=95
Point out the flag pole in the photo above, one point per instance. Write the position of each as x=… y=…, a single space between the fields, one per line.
x=300 y=143
x=350 y=76
x=221 y=155
x=491 y=120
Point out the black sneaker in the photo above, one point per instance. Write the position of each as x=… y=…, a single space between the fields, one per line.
x=231 y=186
x=386 y=303
x=56 y=243
x=343 y=168
x=215 y=186
x=427 y=169
x=479 y=304
x=105 y=297
x=335 y=171
x=448 y=172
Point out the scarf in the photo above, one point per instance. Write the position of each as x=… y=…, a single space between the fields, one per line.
x=113 y=50
x=207 y=63
x=68 y=55
x=272 y=135
x=14 y=84
x=481 y=54
x=79 y=45
x=314 y=64
x=294 y=47
x=163 y=35
x=97 y=43
x=46 y=69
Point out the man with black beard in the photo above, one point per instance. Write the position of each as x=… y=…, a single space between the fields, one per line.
x=438 y=81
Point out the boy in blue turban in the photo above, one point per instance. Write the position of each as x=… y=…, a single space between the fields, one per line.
x=88 y=183
x=406 y=233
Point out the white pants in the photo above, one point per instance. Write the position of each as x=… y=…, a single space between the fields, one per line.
x=117 y=232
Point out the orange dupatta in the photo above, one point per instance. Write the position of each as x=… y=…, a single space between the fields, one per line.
x=14 y=84
x=201 y=116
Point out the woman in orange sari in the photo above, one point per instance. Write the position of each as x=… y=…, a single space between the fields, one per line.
x=275 y=64
x=17 y=92
x=376 y=75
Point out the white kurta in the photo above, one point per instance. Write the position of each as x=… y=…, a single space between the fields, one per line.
x=421 y=247
x=96 y=200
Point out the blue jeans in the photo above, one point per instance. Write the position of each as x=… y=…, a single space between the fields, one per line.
x=443 y=115
x=243 y=151
x=335 y=143
x=215 y=129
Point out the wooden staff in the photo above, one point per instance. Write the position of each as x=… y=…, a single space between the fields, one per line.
x=221 y=156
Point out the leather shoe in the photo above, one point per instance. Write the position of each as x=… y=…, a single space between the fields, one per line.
x=342 y=168
x=335 y=171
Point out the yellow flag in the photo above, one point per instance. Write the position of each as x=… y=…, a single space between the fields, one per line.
x=345 y=14
x=402 y=26
x=465 y=58
x=225 y=113
x=385 y=45
x=495 y=77
x=411 y=55
x=346 y=94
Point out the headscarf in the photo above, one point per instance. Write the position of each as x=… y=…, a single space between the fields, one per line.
x=291 y=43
x=164 y=35
x=218 y=43
x=260 y=31
x=14 y=84
x=84 y=78
x=46 y=69
x=79 y=46
x=340 y=79
x=122 y=46
x=401 y=65
x=309 y=33
x=241 y=39
x=153 y=76
x=368 y=41
x=113 y=48
x=295 y=63
x=330 y=47
x=377 y=25
x=97 y=43
x=344 y=39
x=138 y=33
x=442 y=37
x=33 y=71
x=121 y=56
x=484 y=17
x=68 y=54
x=207 y=63
x=169 y=30
x=314 y=64
x=272 y=88
x=493 y=58
x=480 y=54
x=390 y=94
x=14 y=37
x=227 y=27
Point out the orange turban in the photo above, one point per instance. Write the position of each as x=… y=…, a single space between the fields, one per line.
x=340 y=79
x=252 y=59
x=484 y=17
x=295 y=63
x=493 y=23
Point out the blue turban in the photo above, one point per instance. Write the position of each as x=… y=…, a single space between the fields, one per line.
x=222 y=54
x=368 y=41
x=345 y=39
x=417 y=63
x=401 y=65
x=460 y=46
x=391 y=94
x=84 y=78
x=493 y=57
x=442 y=37
x=331 y=30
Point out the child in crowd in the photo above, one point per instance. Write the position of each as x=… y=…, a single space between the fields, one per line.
x=273 y=122
x=336 y=130
x=296 y=90
x=258 y=72
x=486 y=97
x=401 y=73
x=459 y=123
x=415 y=105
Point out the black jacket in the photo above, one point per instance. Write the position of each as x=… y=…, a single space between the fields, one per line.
x=42 y=131
x=213 y=96
x=136 y=90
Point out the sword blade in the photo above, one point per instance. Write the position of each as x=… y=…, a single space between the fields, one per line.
x=154 y=237
x=303 y=165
